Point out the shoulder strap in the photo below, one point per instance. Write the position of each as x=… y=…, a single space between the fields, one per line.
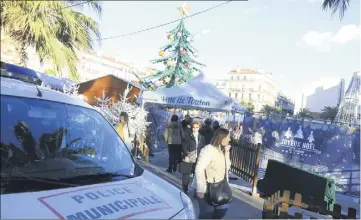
x=225 y=168
x=225 y=165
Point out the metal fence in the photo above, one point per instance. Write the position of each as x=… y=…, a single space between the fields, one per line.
x=245 y=162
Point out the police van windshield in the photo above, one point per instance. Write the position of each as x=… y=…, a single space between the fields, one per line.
x=55 y=141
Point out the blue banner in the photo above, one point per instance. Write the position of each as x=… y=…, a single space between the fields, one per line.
x=319 y=147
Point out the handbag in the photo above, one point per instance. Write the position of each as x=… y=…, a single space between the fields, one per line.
x=186 y=168
x=219 y=193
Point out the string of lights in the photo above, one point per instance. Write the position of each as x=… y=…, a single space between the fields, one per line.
x=164 y=24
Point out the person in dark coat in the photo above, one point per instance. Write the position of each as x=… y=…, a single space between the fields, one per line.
x=186 y=124
x=173 y=135
x=207 y=131
x=216 y=126
x=192 y=144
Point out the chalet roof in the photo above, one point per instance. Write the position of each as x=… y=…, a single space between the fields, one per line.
x=119 y=78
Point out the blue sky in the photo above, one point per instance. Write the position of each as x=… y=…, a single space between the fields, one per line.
x=294 y=39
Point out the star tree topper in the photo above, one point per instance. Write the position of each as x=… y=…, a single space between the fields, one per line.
x=184 y=9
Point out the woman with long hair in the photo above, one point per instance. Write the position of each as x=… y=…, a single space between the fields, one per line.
x=123 y=129
x=212 y=168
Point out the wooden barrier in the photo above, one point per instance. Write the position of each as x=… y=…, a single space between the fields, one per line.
x=277 y=207
x=245 y=162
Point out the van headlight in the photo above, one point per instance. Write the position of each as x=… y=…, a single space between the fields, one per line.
x=188 y=212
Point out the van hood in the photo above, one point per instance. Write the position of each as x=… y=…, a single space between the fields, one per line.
x=145 y=197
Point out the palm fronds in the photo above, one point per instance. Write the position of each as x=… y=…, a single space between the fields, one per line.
x=336 y=5
x=54 y=29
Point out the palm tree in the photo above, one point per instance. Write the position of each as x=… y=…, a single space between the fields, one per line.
x=304 y=113
x=249 y=106
x=53 y=28
x=336 y=5
x=267 y=110
x=329 y=112
x=277 y=111
x=271 y=111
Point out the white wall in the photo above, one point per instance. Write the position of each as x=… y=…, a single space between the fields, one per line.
x=321 y=93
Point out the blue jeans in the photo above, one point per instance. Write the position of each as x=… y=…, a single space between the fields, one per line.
x=211 y=212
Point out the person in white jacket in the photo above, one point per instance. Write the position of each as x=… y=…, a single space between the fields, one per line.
x=212 y=166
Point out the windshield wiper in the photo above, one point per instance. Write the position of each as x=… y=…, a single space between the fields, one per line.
x=96 y=176
x=22 y=183
x=11 y=178
x=115 y=174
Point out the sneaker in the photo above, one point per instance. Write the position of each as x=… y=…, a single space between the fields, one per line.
x=169 y=171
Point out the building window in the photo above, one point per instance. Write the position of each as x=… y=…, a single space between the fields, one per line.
x=242 y=86
x=245 y=77
x=237 y=77
x=230 y=95
x=236 y=95
x=259 y=97
x=231 y=77
x=259 y=88
x=250 y=96
x=242 y=96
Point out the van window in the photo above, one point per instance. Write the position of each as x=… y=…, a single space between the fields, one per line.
x=95 y=137
x=54 y=141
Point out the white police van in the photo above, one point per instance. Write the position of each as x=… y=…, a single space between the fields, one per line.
x=61 y=159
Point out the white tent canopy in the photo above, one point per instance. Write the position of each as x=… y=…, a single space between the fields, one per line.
x=195 y=94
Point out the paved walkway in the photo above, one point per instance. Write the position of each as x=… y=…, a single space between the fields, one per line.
x=243 y=206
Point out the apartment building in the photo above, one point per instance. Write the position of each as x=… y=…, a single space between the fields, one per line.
x=90 y=65
x=286 y=104
x=94 y=65
x=252 y=86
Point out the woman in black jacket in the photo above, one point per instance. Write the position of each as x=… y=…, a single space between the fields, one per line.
x=191 y=146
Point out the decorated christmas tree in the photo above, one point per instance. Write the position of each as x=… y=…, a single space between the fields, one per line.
x=177 y=56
